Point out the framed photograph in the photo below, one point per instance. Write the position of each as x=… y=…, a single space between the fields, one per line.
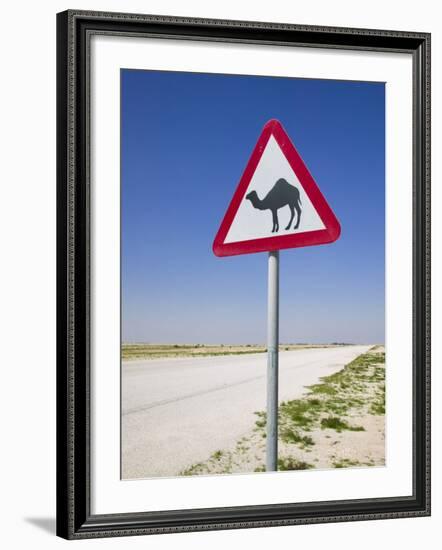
x=243 y=274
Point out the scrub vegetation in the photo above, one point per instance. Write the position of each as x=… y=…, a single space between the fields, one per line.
x=158 y=351
x=337 y=423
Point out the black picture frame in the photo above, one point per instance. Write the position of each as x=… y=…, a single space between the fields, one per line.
x=74 y=518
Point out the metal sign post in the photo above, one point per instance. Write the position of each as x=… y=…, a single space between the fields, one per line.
x=272 y=362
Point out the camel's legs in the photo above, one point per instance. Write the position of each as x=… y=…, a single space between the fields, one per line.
x=292 y=215
x=275 y=221
x=298 y=212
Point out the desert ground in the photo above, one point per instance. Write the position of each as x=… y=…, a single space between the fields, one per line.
x=158 y=351
x=193 y=415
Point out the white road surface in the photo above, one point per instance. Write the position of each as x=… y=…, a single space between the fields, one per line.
x=176 y=412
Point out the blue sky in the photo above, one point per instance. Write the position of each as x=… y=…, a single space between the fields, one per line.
x=185 y=141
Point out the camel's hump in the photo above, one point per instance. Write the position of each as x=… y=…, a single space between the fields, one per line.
x=283 y=184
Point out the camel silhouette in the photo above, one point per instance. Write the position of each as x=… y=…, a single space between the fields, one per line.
x=280 y=195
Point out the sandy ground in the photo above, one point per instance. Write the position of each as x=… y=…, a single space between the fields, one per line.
x=178 y=412
x=329 y=448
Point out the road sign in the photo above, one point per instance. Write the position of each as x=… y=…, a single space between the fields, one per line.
x=277 y=203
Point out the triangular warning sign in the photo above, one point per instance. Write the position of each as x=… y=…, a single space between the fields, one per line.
x=277 y=203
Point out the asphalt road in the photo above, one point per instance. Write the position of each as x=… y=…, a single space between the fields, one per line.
x=176 y=412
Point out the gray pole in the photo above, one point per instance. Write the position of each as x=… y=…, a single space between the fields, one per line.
x=272 y=362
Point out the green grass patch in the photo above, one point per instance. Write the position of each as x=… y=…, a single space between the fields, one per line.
x=322 y=389
x=290 y=463
x=303 y=413
x=345 y=463
x=378 y=406
x=335 y=423
x=289 y=436
x=194 y=470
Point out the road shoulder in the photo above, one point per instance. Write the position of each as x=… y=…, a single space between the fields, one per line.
x=337 y=423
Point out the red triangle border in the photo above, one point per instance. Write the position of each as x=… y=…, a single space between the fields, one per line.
x=329 y=234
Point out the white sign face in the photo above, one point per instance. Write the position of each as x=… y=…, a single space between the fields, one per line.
x=251 y=222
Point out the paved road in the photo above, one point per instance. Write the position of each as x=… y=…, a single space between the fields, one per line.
x=176 y=412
